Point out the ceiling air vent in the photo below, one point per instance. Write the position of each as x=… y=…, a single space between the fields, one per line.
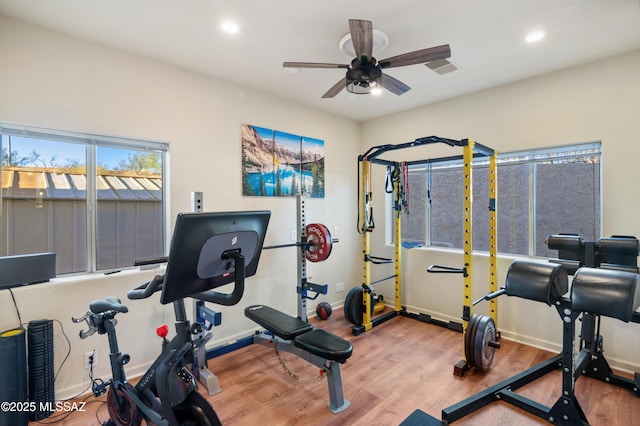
x=441 y=66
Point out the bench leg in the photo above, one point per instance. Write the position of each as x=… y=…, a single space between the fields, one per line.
x=337 y=403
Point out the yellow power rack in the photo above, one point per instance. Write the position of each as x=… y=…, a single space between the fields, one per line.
x=361 y=303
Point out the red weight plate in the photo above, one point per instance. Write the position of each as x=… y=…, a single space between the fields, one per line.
x=319 y=242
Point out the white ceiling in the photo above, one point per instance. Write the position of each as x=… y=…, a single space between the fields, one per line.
x=486 y=39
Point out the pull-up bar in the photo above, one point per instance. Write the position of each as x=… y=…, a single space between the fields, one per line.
x=374 y=152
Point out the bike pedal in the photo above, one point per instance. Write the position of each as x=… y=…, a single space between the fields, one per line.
x=99 y=388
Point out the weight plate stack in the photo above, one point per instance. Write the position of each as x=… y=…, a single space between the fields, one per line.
x=481 y=333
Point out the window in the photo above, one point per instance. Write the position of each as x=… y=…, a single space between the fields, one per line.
x=540 y=193
x=52 y=180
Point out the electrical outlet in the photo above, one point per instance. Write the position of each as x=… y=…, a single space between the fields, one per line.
x=91 y=358
x=293 y=235
x=339 y=287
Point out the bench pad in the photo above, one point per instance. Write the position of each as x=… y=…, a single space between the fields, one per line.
x=318 y=342
x=324 y=344
x=606 y=292
x=542 y=282
x=282 y=325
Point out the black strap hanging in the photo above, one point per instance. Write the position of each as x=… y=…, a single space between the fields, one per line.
x=388 y=185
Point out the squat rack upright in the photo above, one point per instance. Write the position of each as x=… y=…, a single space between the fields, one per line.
x=471 y=150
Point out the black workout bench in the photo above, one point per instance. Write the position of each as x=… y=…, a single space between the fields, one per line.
x=319 y=347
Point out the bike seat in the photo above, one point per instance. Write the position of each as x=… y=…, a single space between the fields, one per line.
x=107 y=304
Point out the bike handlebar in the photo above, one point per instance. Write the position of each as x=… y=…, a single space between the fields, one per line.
x=228 y=299
x=225 y=299
x=147 y=289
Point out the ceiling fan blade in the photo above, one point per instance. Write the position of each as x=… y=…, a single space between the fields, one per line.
x=393 y=84
x=312 y=65
x=417 y=57
x=336 y=88
x=362 y=37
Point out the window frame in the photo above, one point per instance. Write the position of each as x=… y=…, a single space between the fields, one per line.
x=91 y=142
x=529 y=157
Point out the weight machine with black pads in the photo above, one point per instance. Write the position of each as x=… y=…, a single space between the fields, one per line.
x=605 y=283
x=481 y=339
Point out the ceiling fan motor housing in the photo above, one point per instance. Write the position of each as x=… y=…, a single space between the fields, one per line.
x=363 y=75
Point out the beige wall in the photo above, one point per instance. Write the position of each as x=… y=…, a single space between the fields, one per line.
x=594 y=102
x=51 y=80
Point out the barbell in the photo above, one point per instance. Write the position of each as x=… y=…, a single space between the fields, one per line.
x=316 y=245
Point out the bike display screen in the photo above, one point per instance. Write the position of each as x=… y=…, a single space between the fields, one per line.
x=198 y=258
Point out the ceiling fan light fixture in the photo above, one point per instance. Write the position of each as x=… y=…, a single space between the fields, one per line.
x=362 y=81
x=360 y=87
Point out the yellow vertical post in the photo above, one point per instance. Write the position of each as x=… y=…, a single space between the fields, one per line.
x=493 y=234
x=397 y=260
x=467 y=158
x=366 y=245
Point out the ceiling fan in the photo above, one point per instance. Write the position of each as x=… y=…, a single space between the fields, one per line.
x=365 y=72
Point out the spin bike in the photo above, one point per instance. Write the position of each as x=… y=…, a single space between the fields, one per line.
x=166 y=394
x=208 y=250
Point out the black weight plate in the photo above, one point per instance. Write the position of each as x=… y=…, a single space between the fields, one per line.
x=353 y=306
x=469 y=338
x=482 y=352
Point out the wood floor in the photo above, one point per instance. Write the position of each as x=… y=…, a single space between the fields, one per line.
x=395 y=368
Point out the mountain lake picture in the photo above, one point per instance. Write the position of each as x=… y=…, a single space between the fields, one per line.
x=279 y=164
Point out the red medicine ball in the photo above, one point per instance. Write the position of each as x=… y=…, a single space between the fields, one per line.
x=323 y=310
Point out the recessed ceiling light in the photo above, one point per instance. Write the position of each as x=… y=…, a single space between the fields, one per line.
x=230 y=27
x=534 y=36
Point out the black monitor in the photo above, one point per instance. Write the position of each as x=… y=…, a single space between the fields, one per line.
x=204 y=251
